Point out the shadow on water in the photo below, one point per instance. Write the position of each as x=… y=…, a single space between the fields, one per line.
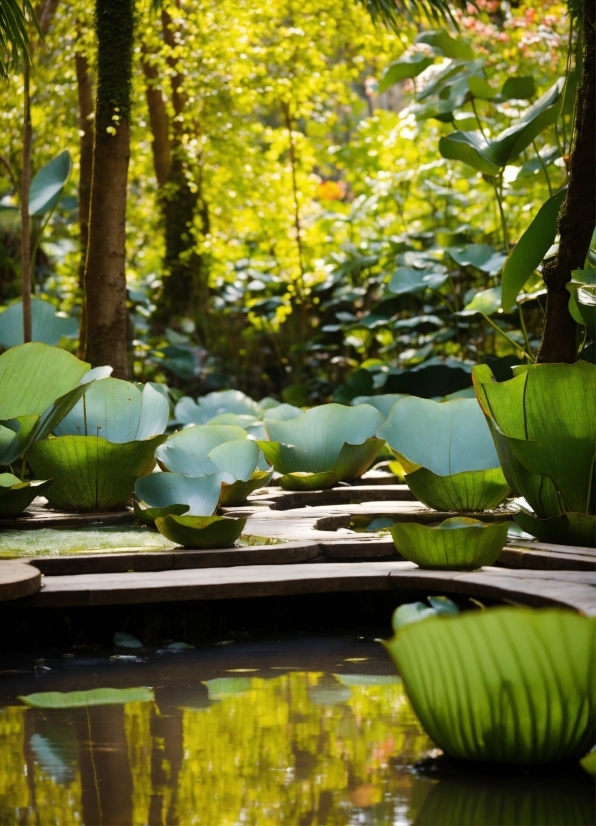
x=299 y=731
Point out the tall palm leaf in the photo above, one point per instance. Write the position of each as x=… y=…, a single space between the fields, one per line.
x=15 y=16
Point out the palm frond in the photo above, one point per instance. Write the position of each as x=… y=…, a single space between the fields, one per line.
x=392 y=12
x=15 y=17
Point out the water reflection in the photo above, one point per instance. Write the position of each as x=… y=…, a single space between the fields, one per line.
x=297 y=748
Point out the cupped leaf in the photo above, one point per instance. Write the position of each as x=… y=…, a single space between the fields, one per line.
x=201 y=532
x=118 y=411
x=89 y=472
x=416 y=611
x=213 y=404
x=444 y=437
x=200 y=493
x=471 y=148
x=33 y=375
x=472 y=490
x=236 y=493
x=507 y=685
x=309 y=481
x=187 y=451
x=409 y=65
x=546 y=414
x=93 y=697
x=531 y=248
x=15 y=495
x=457 y=544
x=46 y=325
x=238 y=458
x=47 y=185
x=566 y=529
x=314 y=441
x=147 y=516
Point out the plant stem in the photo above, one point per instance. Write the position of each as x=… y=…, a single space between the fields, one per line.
x=544 y=169
x=288 y=119
x=509 y=339
x=478 y=119
x=498 y=187
x=522 y=324
x=25 y=226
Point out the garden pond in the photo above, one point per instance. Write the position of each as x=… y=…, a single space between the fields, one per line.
x=305 y=730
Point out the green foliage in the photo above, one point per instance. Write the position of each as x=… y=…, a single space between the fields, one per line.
x=16 y=495
x=201 y=532
x=530 y=673
x=447 y=453
x=163 y=494
x=47 y=326
x=542 y=422
x=457 y=544
x=333 y=442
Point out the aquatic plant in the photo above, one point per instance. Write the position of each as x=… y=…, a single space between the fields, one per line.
x=506 y=685
x=16 y=495
x=457 y=544
x=542 y=423
x=102 y=446
x=447 y=453
x=323 y=446
x=204 y=450
x=201 y=532
x=162 y=494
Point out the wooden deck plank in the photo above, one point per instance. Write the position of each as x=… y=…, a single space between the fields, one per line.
x=18 y=579
x=570 y=589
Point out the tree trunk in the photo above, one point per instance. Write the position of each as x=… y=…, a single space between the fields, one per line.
x=86 y=133
x=158 y=118
x=105 y=277
x=25 y=222
x=578 y=212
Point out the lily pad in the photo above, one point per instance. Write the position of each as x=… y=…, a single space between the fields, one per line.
x=447 y=453
x=15 y=495
x=325 y=439
x=84 y=699
x=506 y=685
x=201 y=532
x=89 y=472
x=309 y=481
x=166 y=494
x=187 y=451
x=46 y=325
x=457 y=544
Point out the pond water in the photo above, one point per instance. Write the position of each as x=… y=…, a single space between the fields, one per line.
x=296 y=731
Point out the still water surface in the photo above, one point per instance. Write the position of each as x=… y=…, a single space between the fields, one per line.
x=302 y=731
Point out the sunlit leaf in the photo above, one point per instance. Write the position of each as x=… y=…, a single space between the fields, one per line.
x=46 y=325
x=47 y=185
x=93 y=697
x=201 y=532
x=507 y=685
x=457 y=544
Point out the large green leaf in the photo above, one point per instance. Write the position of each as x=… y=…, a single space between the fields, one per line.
x=447 y=453
x=482 y=256
x=47 y=185
x=566 y=529
x=546 y=415
x=453 y=47
x=508 y=685
x=471 y=490
x=15 y=495
x=118 y=411
x=200 y=493
x=582 y=297
x=89 y=472
x=236 y=493
x=330 y=437
x=410 y=65
x=33 y=375
x=93 y=697
x=518 y=88
x=457 y=544
x=238 y=458
x=201 y=532
x=46 y=325
x=444 y=437
x=187 y=451
x=531 y=248
x=309 y=481
x=491 y=156
x=282 y=412
x=406 y=280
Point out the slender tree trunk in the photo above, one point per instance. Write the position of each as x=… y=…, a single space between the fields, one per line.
x=158 y=118
x=578 y=215
x=105 y=277
x=86 y=133
x=25 y=222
